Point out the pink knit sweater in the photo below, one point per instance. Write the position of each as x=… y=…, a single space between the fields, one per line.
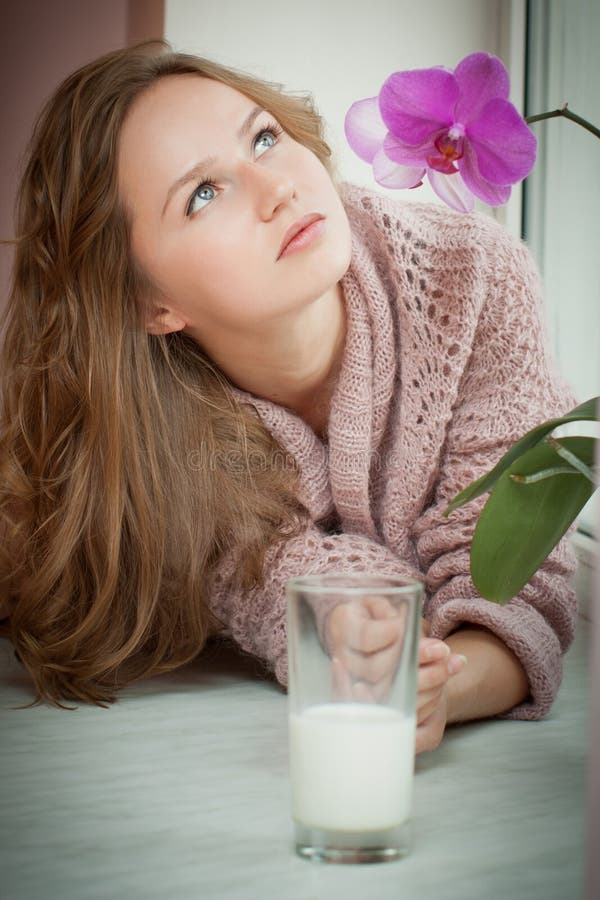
x=445 y=365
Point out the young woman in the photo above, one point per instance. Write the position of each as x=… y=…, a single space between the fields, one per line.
x=224 y=367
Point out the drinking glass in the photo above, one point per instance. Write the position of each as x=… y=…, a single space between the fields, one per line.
x=353 y=643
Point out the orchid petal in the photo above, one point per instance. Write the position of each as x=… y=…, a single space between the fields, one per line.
x=389 y=174
x=493 y=194
x=504 y=144
x=481 y=78
x=417 y=102
x=364 y=128
x=452 y=190
x=406 y=155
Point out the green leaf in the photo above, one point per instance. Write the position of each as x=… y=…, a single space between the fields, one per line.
x=521 y=523
x=587 y=411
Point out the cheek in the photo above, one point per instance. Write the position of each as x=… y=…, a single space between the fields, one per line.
x=313 y=168
x=184 y=267
x=210 y=281
x=150 y=256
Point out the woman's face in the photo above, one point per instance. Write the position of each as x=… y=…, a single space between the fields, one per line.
x=212 y=248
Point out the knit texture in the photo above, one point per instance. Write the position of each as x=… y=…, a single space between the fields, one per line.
x=445 y=365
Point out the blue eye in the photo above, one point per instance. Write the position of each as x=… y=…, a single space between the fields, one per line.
x=205 y=186
x=268 y=132
x=207 y=182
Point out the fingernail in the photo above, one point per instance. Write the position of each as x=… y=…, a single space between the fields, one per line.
x=456 y=663
x=437 y=650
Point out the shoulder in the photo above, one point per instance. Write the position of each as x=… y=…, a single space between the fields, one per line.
x=467 y=258
x=424 y=226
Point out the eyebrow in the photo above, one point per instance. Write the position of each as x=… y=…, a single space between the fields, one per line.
x=203 y=164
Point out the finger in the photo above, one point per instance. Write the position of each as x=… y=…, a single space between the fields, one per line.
x=341 y=681
x=373 y=635
x=426 y=711
x=381 y=608
x=426 y=695
x=343 y=688
x=357 y=631
x=428 y=738
x=426 y=698
x=430 y=732
x=350 y=625
x=431 y=649
x=432 y=675
x=436 y=717
x=382 y=689
x=456 y=663
x=371 y=667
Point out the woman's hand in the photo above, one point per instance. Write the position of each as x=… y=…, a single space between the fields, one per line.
x=437 y=665
x=365 y=641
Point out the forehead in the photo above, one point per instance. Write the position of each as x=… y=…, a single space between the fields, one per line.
x=178 y=101
x=172 y=124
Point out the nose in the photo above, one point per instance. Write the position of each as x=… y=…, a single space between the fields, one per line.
x=270 y=188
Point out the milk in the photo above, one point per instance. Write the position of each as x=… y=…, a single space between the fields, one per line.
x=351 y=766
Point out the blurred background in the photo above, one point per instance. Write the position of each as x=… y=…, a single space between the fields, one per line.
x=340 y=54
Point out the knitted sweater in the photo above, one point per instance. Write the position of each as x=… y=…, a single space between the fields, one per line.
x=445 y=365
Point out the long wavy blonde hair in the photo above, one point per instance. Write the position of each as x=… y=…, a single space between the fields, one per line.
x=109 y=527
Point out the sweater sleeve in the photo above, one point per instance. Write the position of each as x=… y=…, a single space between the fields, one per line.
x=256 y=619
x=509 y=384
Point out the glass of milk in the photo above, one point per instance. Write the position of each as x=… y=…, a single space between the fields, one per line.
x=353 y=648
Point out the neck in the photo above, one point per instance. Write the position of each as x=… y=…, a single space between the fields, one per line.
x=293 y=363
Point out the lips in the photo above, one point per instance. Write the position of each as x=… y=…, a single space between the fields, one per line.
x=297 y=227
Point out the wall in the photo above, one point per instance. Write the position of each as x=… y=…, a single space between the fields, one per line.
x=40 y=43
x=341 y=53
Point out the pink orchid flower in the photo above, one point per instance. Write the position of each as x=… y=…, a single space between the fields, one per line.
x=457 y=128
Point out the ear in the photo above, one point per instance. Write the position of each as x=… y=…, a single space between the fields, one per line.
x=163 y=321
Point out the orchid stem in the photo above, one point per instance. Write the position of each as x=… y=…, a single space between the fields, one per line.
x=568 y=115
x=543 y=474
x=571 y=458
